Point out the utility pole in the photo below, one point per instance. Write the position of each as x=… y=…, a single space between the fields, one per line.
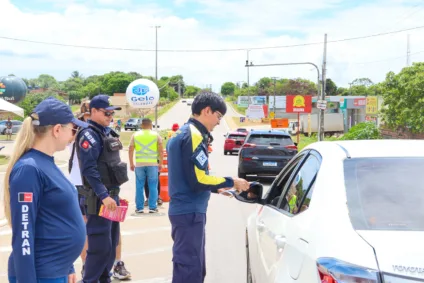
x=248 y=79
x=321 y=111
x=408 y=53
x=156 y=73
x=179 y=88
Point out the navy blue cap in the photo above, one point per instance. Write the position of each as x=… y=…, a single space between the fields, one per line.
x=51 y=111
x=102 y=101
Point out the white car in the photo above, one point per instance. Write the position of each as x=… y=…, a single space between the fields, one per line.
x=345 y=212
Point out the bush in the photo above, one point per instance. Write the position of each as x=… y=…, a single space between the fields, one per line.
x=363 y=131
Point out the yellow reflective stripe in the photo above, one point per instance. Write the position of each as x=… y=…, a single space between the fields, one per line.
x=202 y=178
x=196 y=137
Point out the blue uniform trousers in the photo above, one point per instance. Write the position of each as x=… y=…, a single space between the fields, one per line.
x=103 y=238
x=188 y=233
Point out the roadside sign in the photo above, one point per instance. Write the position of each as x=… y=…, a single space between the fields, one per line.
x=280 y=123
x=322 y=104
x=298 y=103
x=271 y=115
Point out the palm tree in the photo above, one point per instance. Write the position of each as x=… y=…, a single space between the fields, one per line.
x=76 y=74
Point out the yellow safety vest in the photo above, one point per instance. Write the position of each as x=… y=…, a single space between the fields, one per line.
x=146 y=146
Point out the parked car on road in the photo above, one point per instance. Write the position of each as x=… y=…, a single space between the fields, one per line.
x=17 y=125
x=348 y=211
x=265 y=152
x=233 y=142
x=133 y=124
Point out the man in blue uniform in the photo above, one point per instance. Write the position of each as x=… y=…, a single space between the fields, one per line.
x=103 y=172
x=190 y=186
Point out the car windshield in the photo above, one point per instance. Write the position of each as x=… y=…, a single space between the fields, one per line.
x=270 y=139
x=385 y=193
x=131 y=120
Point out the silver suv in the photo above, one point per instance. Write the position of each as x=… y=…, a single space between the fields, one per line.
x=133 y=124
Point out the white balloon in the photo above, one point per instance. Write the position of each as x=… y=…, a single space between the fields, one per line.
x=142 y=93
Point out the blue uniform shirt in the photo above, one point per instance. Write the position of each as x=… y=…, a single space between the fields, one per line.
x=48 y=231
x=189 y=182
x=90 y=148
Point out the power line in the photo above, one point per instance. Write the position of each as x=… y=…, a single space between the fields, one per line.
x=207 y=50
x=382 y=60
x=407 y=14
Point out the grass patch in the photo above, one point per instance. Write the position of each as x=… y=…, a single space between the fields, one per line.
x=4 y=137
x=240 y=110
x=4 y=159
x=75 y=108
x=305 y=141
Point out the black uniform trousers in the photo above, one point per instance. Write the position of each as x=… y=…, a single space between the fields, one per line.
x=103 y=238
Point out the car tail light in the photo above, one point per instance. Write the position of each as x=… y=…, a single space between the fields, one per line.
x=291 y=147
x=247 y=158
x=332 y=270
x=249 y=145
x=230 y=141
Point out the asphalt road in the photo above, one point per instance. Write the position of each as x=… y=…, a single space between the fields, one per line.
x=147 y=244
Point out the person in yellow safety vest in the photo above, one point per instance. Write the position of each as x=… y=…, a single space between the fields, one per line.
x=148 y=150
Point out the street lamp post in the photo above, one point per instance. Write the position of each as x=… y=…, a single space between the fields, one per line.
x=156 y=72
x=321 y=121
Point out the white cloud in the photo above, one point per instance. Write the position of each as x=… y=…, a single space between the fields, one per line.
x=238 y=25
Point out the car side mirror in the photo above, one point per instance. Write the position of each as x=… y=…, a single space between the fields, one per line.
x=295 y=143
x=252 y=195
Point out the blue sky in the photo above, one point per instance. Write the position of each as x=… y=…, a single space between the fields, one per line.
x=208 y=24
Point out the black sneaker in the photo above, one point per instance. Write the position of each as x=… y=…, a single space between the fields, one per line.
x=160 y=201
x=153 y=210
x=139 y=211
x=120 y=272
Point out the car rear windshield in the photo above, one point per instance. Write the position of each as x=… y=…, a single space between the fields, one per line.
x=385 y=193
x=131 y=120
x=237 y=137
x=264 y=139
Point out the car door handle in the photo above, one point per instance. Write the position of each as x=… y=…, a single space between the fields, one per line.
x=280 y=241
x=260 y=226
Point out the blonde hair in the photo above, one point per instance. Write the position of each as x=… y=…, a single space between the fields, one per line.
x=24 y=142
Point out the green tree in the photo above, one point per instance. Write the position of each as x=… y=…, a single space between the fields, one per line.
x=116 y=82
x=403 y=95
x=30 y=101
x=228 y=88
x=330 y=87
x=191 y=91
x=76 y=74
x=46 y=81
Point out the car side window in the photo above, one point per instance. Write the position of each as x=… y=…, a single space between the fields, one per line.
x=297 y=194
x=277 y=187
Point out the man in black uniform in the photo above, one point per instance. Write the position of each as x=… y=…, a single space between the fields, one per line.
x=103 y=172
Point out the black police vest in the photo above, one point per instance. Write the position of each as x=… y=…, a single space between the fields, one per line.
x=113 y=172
